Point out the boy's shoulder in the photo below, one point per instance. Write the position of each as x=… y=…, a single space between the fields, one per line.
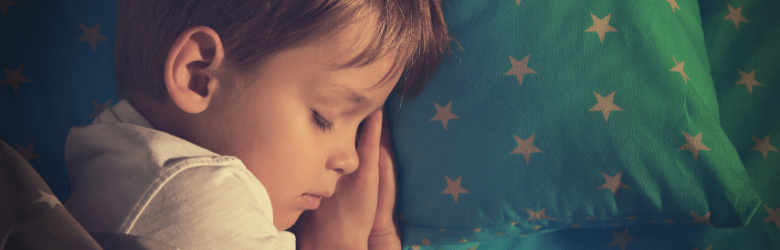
x=124 y=134
x=125 y=175
x=122 y=144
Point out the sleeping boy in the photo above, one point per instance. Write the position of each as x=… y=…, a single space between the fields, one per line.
x=240 y=115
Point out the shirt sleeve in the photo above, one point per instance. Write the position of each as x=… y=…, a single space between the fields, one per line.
x=210 y=208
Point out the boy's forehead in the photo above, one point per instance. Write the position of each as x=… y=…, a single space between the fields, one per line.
x=356 y=83
x=363 y=95
x=342 y=46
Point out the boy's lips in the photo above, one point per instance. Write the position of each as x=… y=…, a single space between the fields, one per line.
x=323 y=194
x=311 y=201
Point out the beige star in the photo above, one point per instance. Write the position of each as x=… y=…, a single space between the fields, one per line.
x=702 y=219
x=774 y=216
x=613 y=182
x=91 y=35
x=678 y=67
x=748 y=80
x=601 y=26
x=48 y=198
x=27 y=152
x=8 y=3
x=763 y=145
x=14 y=77
x=99 y=107
x=621 y=239
x=537 y=215
x=443 y=114
x=520 y=68
x=453 y=188
x=605 y=105
x=693 y=143
x=673 y=3
x=525 y=147
x=708 y=248
x=735 y=15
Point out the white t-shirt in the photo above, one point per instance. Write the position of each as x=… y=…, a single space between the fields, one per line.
x=126 y=177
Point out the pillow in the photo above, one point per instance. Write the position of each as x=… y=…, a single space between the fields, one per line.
x=57 y=60
x=566 y=115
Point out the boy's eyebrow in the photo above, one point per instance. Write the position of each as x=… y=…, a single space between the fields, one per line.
x=353 y=96
x=357 y=98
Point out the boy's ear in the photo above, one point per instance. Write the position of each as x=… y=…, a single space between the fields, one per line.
x=191 y=68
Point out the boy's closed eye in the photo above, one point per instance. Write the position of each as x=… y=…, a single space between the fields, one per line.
x=326 y=125
x=320 y=121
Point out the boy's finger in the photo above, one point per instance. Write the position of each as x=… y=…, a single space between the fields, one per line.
x=368 y=144
x=387 y=179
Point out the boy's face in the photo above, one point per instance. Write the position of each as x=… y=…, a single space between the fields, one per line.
x=294 y=125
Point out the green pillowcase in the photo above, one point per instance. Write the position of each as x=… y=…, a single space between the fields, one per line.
x=578 y=114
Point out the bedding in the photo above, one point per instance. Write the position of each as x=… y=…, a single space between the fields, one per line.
x=554 y=124
x=58 y=72
x=548 y=104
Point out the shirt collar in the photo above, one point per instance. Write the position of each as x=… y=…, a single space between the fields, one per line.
x=124 y=112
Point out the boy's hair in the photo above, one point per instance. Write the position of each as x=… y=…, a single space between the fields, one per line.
x=250 y=30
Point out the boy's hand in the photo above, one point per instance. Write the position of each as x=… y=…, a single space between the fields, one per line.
x=384 y=233
x=346 y=220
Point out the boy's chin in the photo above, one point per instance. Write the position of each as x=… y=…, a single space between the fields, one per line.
x=288 y=221
x=295 y=226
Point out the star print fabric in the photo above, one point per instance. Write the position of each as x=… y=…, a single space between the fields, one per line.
x=31 y=208
x=57 y=69
x=575 y=116
x=534 y=78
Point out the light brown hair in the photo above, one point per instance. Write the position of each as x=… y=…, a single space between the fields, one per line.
x=250 y=30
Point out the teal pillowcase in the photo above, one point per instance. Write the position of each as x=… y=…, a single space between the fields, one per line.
x=555 y=115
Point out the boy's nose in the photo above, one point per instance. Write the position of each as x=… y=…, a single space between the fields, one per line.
x=344 y=162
